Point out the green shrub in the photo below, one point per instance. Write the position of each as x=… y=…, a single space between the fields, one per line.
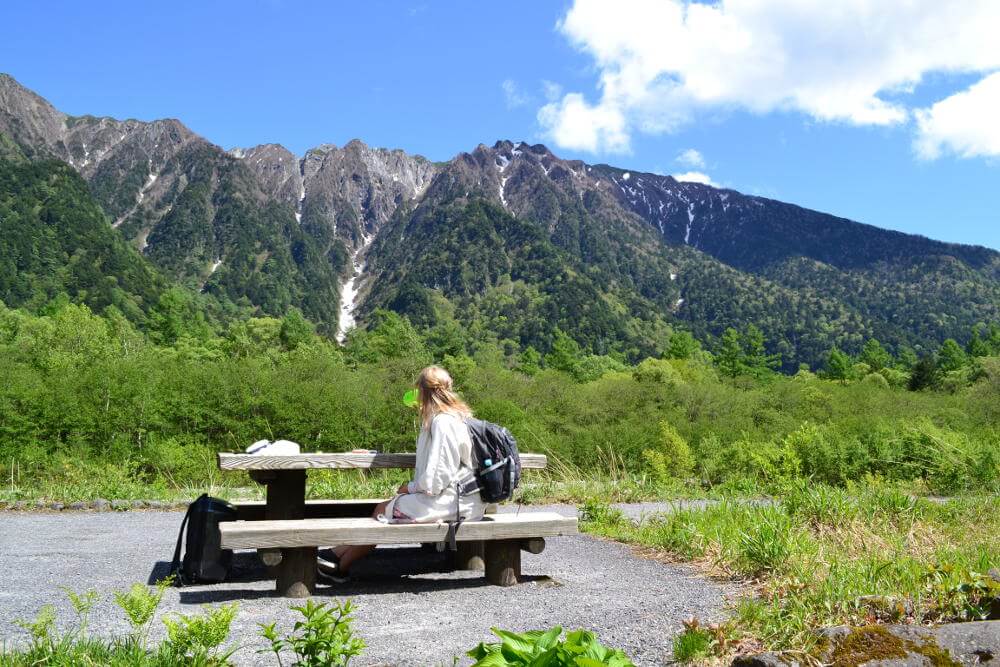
x=544 y=647
x=673 y=458
x=692 y=644
x=765 y=544
x=198 y=638
x=323 y=638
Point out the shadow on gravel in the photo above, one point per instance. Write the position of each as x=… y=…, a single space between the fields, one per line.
x=387 y=571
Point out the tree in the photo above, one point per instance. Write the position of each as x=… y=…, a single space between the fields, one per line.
x=756 y=360
x=977 y=347
x=565 y=353
x=925 y=374
x=729 y=358
x=951 y=356
x=682 y=345
x=875 y=355
x=838 y=365
x=907 y=358
x=295 y=329
x=529 y=361
x=993 y=339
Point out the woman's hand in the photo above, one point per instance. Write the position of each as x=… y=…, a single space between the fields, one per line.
x=405 y=488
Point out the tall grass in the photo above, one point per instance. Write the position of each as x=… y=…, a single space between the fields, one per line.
x=827 y=556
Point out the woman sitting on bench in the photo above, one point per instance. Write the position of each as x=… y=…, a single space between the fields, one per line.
x=444 y=459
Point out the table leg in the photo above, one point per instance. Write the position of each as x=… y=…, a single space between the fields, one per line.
x=286 y=499
x=470 y=556
x=503 y=562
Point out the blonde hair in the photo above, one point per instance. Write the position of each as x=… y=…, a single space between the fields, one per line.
x=436 y=396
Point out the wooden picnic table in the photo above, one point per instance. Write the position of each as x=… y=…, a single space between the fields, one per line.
x=285 y=480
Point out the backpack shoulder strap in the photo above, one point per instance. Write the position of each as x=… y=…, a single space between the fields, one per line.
x=175 y=564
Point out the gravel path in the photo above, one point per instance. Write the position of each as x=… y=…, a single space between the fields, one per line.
x=408 y=612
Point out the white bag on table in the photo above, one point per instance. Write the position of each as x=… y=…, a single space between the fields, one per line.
x=276 y=448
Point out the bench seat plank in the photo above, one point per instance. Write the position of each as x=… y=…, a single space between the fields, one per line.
x=255 y=510
x=325 y=532
x=344 y=460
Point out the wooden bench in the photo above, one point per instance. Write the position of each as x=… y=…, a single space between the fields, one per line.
x=503 y=537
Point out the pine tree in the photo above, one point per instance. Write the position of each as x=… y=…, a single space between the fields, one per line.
x=729 y=359
x=875 y=355
x=682 y=345
x=993 y=340
x=838 y=365
x=977 y=347
x=951 y=356
x=756 y=360
x=565 y=353
x=925 y=374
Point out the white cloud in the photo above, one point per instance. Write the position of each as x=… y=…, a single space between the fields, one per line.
x=513 y=94
x=552 y=90
x=691 y=158
x=662 y=61
x=572 y=123
x=695 y=177
x=965 y=123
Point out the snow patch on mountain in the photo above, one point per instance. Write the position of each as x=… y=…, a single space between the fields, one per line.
x=351 y=288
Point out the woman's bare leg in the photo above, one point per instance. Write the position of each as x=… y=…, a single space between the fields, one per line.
x=348 y=555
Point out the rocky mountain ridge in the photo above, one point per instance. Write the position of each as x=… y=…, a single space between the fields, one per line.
x=343 y=230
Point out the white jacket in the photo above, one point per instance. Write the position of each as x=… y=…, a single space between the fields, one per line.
x=444 y=456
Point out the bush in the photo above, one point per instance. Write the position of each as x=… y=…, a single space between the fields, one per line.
x=544 y=647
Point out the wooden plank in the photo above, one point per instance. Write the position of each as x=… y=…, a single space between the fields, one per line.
x=253 y=510
x=324 y=532
x=344 y=460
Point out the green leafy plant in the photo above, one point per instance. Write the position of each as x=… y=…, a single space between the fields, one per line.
x=83 y=604
x=139 y=604
x=323 y=638
x=40 y=628
x=543 y=647
x=198 y=638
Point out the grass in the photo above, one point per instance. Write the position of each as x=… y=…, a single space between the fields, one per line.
x=87 y=480
x=823 y=556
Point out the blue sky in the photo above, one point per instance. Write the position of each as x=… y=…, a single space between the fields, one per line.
x=437 y=78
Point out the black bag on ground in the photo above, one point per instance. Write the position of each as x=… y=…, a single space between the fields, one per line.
x=498 y=465
x=205 y=561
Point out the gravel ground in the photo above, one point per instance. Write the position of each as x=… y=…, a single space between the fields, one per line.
x=408 y=611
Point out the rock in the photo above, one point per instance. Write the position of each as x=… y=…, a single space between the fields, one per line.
x=970 y=643
x=155 y=504
x=897 y=646
x=887 y=607
x=78 y=505
x=768 y=659
x=119 y=505
x=20 y=505
x=138 y=504
x=58 y=507
x=101 y=505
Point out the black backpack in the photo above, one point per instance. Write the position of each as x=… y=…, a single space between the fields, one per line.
x=205 y=561
x=497 y=463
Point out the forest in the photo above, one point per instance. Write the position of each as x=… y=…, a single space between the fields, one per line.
x=93 y=408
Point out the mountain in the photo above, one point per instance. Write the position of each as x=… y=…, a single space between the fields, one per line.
x=201 y=216
x=507 y=242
